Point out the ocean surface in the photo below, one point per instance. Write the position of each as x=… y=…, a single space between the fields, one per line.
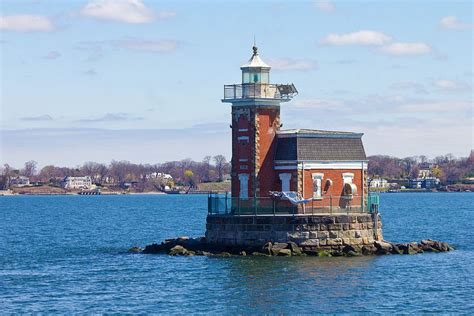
x=65 y=254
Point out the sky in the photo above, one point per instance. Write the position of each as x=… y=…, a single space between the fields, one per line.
x=143 y=80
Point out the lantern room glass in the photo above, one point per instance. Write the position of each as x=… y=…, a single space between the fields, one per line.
x=255 y=76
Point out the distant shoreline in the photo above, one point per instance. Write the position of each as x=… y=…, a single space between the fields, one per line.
x=163 y=193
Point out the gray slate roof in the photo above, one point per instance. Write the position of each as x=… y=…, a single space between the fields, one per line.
x=319 y=146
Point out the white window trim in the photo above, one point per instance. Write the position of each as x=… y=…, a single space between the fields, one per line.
x=346 y=176
x=243 y=129
x=319 y=194
x=243 y=138
x=285 y=181
x=244 y=186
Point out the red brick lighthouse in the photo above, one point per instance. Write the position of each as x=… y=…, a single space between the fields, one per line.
x=305 y=186
x=255 y=123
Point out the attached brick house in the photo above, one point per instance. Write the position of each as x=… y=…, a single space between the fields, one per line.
x=328 y=168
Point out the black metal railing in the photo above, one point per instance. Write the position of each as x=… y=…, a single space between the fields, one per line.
x=259 y=91
x=226 y=205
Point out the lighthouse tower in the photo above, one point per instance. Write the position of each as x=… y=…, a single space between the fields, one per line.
x=255 y=122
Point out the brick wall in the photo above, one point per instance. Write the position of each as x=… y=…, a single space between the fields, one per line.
x=260 y=125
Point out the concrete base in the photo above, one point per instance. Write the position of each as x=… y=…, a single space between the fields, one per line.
x=310 y=232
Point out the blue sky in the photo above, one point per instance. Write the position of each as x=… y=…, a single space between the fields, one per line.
x=142 y=80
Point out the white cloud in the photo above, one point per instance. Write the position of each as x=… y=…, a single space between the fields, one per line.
x=292 y=64
x=416 y=48
x=26 y=23
x=452 y=22
x=449 y=85
x=363 y=37
x=127 y=11
x=409 y=86
x=154 y=46
x=324 y=5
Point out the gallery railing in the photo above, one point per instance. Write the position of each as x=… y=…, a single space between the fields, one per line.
x=225 y=205
x=259 y=91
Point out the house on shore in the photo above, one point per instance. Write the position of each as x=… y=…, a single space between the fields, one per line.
x=76 y=182
x=19 y=181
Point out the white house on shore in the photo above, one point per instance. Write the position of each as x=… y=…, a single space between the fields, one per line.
x=77 y=182
x=378 y=183
x=20 y=181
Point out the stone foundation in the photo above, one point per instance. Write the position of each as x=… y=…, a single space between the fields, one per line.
x=309 y=232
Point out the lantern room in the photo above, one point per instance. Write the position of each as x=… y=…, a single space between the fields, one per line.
x=255 y=71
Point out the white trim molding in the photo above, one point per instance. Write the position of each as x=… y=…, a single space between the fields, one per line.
x=348 y=177
x=294 y=165
x=285 y=181
x=318 y=183
x=244 y=185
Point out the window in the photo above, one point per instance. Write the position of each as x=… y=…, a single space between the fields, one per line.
x=244 y=185
x=245 y=77
x=317 y=185
x=244 y=167
x=347 y=177
x=285 y=181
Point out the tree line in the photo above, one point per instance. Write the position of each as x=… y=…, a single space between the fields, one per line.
x=447 y=168
x=183 y=172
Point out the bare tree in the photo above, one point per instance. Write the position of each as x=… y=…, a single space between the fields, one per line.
x=5 y=176
x=30 y=168
x=102 y=171
x=206 y=166
x=220 y=166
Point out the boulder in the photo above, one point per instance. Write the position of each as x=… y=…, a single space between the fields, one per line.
x=278 y=247
x=267 y=248
x=135 y=249
x=243 y=253
x=396 y=250
x=350 y=251
x=203 y=253
x=178 y=251
x=383 y=247
x=284 y=253
x=224 y=254
x=155 y=248
x=295 y=250
x=368 y=250
x=259 y=254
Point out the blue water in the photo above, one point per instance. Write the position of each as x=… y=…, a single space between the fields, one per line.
x=62 y=254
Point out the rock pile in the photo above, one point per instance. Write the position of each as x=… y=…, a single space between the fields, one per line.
x=185 y=246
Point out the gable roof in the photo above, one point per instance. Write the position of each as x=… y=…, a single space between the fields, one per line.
x=317 y=145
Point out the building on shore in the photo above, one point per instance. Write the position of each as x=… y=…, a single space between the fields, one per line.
x=77 y=182
x=19 y=181
x=424 y=183
x=379 y=183
x=307 y=174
